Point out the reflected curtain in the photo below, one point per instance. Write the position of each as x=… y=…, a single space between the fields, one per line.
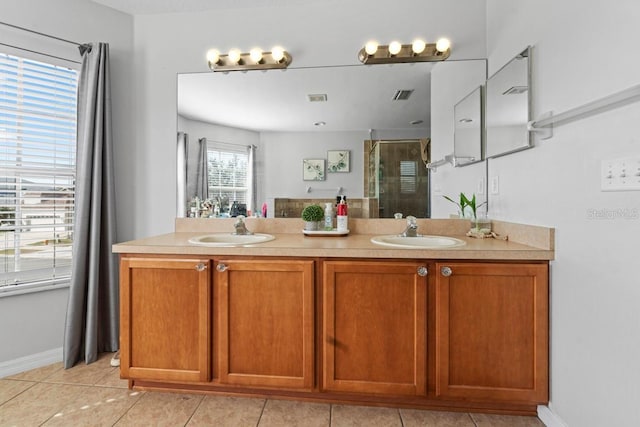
x=92 y=323
x=181 y=174
x=252 y=183
x=197 y=170
x=202 y=171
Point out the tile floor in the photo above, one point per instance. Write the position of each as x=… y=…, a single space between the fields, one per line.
x=94 y=395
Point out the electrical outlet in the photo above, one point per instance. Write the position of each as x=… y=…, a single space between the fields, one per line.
x=495 y=185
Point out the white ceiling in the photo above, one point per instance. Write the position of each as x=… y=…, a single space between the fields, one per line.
x=152 y=7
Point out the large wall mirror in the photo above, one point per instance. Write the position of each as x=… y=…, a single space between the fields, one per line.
x=508 y=107
x=303 y=113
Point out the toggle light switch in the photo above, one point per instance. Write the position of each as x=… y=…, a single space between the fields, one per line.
x=615 y=175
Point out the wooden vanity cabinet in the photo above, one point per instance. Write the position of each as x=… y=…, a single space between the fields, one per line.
x=374 y=327
x=265 y=322
x=491 y=331
x=469 y=335
x=165 y=306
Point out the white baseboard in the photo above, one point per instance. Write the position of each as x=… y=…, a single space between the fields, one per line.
x=550 y=418
x=26 y=363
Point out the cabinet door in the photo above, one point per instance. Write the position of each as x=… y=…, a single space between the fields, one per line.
x=492 y=331
x=374 y=327
x=266 y=322
x=164 y=318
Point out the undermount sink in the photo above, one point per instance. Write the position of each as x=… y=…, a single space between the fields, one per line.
x=419 y=242
x=229 y=239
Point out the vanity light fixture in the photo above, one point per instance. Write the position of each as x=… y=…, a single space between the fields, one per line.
x=417 y=51
x=255 y=59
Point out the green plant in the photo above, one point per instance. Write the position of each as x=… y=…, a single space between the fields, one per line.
x=464 y=202
x=312 y=213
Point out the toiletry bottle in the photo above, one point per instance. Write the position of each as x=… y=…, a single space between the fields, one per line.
x=341 y=218
x=328 y=216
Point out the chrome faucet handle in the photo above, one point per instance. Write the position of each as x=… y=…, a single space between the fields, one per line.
x=411 y=221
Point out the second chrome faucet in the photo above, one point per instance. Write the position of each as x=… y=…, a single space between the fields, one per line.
x=412 y=228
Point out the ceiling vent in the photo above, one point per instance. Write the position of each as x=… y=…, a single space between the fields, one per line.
x=402 y=94
x=515 y=90
x=317 y=97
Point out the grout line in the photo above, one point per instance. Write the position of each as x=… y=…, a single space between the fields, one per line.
x=472 y=419
x=262 y=412
x=195 y=410
x=330 y=413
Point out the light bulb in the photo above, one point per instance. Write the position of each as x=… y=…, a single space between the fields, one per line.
x=255 y=54
x=277 y=53
x=394 y=48
x=371 y=47
x=418 y=46
x=442 y=45
x=213 y=56
x=234 y=56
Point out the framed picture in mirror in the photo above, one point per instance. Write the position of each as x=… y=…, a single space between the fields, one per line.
x=337 y=161
x=313 y=170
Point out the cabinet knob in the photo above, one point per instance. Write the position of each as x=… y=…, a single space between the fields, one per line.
x=221 y=267
x=201 y=267
x=422 y=271
x=446 y=271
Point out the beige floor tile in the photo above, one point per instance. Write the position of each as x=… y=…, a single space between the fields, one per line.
x=490 y=420
x=38 y=374
x=352 y=416
x=112 y=379
x=290 y=413
x=10 y=389
x=415 y=418
x=81 y=373
x=221 y=411
x=161 y=409
x=37 y=404
x=96 y=406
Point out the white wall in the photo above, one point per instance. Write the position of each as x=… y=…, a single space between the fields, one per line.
x=34 y=323
x=326 y=33
x=581 y=51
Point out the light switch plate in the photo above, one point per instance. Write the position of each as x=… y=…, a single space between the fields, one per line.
x=495 y=185
x=621 y=174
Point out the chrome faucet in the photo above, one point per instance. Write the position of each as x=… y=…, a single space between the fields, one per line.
x=240 y=226
x=412 y=228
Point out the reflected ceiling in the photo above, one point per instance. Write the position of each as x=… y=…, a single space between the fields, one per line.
x=358 y=98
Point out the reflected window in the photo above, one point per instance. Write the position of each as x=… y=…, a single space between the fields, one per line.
x=228 y=173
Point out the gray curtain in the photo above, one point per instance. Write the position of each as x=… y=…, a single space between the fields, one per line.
x=252 y=204
x=197 y=170
x=92 y=323
x=181 y=174
x=202 y=171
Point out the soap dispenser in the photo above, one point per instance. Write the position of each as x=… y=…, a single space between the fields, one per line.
x=341 y=218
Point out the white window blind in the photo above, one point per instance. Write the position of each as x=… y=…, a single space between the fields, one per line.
x=408 y=177
x=37 y=171
x=228 y=177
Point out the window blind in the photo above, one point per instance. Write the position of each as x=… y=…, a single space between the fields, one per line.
x=227 y=170
x=37 y=170
x=408 y=177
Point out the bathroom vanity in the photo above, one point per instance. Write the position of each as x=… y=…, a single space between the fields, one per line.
x=339 y=319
